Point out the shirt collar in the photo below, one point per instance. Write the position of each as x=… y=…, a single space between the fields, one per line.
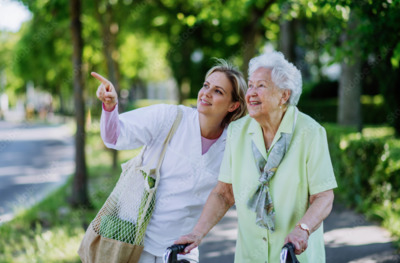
x=286 y=126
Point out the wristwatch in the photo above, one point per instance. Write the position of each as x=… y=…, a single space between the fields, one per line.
x=304 y=227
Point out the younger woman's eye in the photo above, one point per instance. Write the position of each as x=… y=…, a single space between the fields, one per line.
x=218 y=91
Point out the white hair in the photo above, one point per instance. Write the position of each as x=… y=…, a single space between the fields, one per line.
x=283 y=73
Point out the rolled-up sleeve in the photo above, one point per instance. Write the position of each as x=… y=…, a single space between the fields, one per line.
x=320 y=173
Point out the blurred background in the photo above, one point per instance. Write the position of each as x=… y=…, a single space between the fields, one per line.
x=55 y=173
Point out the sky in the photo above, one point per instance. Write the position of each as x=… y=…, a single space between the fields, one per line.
x=12 y=15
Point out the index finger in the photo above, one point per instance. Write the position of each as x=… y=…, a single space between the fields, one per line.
x=100 y=77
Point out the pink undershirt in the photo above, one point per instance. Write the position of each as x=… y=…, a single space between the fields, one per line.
x=206 y=144
x=111 y=130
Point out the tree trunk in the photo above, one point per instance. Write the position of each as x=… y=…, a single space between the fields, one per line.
x=109 y=34
x=251 y=37
x=62 y=110
x=287 y=34
x=349 y=110
x=287 y=40
x=252 y=32
x=79 y=189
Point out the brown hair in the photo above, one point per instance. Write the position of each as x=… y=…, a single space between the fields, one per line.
x=239 y=87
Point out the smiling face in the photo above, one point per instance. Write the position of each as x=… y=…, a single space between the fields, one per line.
x=263 y=97
x=215 y=97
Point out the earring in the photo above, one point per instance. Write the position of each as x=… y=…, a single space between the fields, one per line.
x=280 y=107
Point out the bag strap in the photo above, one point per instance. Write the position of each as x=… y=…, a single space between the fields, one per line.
x=171 y=133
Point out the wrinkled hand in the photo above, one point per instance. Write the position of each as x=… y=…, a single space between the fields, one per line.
x=106 y=92
x=299 y=238
x=193 y=239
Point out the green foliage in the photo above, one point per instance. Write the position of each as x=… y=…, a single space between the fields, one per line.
x=367 y=169
x=13 y=84
x=160 y=39
x=359 y=157
x=43 y=44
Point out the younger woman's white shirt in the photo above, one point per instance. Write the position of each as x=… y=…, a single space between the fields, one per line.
x=187 y=176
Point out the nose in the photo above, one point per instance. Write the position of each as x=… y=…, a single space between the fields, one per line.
x=251 y=93
x=207 y=92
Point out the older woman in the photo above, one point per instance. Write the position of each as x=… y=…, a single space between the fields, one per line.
x=276 y=169
x=193 y=157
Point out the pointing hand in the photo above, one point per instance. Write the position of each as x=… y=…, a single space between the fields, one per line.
x=106 y=92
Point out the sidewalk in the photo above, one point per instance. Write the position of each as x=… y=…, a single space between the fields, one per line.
x=348 y=238
x=39 y=159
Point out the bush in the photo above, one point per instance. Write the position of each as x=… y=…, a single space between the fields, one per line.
x=367 y=169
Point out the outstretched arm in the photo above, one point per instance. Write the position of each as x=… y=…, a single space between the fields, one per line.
x=219 y=201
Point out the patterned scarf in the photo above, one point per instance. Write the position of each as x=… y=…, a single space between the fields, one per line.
x=261 y=201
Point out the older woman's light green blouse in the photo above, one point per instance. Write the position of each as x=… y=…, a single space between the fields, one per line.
x=305 y=170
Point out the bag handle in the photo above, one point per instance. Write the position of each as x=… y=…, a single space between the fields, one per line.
x=171 y=133
x=169 y=136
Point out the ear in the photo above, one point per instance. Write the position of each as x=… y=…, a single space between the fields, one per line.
x=286 y=95
x=234 y=106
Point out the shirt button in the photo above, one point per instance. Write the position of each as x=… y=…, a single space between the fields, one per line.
x=265 y=239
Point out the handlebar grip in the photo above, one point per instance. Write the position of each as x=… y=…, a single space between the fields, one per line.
x=171 y=253
x=178 y=248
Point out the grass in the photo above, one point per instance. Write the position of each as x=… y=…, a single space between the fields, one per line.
x=51 y=231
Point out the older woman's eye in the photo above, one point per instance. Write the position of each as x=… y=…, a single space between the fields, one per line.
x=218 y=91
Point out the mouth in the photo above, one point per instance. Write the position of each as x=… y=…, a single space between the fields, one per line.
x=253 y=103
x=204 y=102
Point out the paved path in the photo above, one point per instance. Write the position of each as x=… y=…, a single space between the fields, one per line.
x=348 y=238
x=34 y=160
